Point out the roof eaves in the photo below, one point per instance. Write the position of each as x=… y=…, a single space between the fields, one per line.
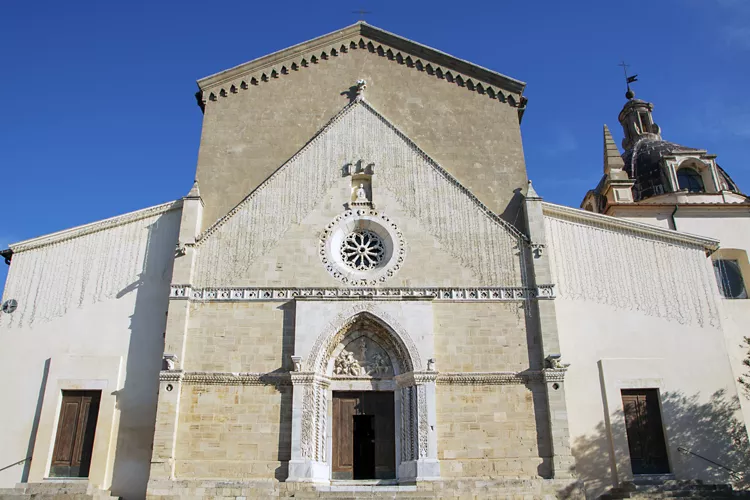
x=78 y=231
x=364 y=29
x=586 y=217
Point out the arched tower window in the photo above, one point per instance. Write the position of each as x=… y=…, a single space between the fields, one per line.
x=690 y=180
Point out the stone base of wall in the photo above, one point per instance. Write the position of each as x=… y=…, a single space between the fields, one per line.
x=463 y=489
x=74 y=490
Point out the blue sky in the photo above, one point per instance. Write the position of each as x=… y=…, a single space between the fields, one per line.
x=99 y=116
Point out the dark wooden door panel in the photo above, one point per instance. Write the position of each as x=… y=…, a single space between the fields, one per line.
x=74 y=443
x=345 y=406
x=643 y=424
x=66 y=431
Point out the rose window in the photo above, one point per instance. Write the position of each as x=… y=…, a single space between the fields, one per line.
x=362 y=250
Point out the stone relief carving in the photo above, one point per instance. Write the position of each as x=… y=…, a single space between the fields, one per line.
x=346 y=322
x=370 y=360
x=307 y=443
x=422 y=404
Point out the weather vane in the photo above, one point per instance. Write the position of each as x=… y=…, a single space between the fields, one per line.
x=362 y=13
x=628 y=80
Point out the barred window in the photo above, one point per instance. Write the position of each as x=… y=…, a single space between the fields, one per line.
x=729 y=278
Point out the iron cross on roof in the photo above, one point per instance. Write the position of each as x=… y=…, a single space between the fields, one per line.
x=362 y=13
x=628 y=80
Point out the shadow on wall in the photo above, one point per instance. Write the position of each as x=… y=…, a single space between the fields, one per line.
x=709 y=429
x=138 y=397
x=285 y=410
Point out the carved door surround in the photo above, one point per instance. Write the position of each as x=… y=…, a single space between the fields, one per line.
x=363 y=353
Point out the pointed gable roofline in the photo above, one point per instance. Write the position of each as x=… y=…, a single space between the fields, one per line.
x=231 y=80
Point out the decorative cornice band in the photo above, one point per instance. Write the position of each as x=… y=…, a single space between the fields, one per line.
x=94 y=227
x=501 y=378
x=472 y=294
x=412 y=378
x=224 y=378
x=592 y=219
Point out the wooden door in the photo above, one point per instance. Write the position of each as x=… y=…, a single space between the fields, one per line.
x=648 y=450
x=380 y=430
x=71 y=456
x=344 y=409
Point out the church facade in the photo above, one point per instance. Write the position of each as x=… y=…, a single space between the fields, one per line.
x=363 y=292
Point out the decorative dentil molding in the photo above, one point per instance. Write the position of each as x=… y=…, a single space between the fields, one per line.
x=472 y=294
x=279 y=69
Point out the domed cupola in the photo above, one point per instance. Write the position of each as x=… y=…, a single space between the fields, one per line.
x=656 y=171
x=660 y=167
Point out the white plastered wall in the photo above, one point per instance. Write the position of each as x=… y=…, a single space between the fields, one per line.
x=91 y=315
x=617 y=342
x=731 y=226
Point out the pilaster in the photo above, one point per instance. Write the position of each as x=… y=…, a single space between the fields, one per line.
x=178 y=317
x=310 y=412
x=563 y=464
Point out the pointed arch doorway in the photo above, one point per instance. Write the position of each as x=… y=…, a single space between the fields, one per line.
x=360 y=409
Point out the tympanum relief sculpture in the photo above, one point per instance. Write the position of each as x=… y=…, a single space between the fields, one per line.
x=363 y=358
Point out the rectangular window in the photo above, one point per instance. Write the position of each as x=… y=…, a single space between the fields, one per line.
x=74 y=443
x=648 y=449
x=729 y=279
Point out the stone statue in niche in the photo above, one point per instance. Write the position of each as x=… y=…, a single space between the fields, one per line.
x=361 y=194
x=363 y=359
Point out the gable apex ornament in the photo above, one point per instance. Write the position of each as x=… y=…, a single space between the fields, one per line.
x=194 y=192
x=531 y=193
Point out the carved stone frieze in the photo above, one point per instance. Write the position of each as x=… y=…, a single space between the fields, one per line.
x=403 y=381
x=363 y=358
x=475 y=294
x=224 y=378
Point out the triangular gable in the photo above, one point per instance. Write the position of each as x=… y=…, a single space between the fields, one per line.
x=424 y=189
x=362 y=36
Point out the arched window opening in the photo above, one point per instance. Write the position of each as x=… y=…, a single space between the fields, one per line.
x=689 y=179
x=729 y=278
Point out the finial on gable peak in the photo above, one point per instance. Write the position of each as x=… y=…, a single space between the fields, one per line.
x=531 y=193
x=194 y=191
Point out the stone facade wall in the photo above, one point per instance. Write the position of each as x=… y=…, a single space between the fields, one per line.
x=491 y=431
x=234 y=432
x=252 y=337
x=484 y=337
x=249 y=134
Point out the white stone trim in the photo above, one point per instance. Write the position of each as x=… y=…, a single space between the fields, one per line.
x=617 y=224
x=377 y=222
x=94 y=227
x=454 y=294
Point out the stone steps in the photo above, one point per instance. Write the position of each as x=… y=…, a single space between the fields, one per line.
x=670 y=489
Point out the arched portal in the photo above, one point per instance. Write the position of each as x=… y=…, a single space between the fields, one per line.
x=360 y=405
